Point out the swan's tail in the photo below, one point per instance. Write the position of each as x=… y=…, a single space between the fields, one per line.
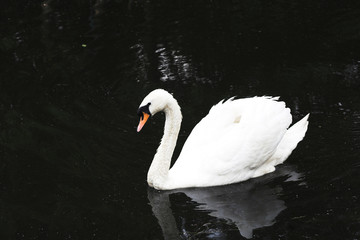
x=290 y=140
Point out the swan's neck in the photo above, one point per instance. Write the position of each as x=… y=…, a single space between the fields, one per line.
x=159 y=169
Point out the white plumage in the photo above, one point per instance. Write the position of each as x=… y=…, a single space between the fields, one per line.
x=239 y=139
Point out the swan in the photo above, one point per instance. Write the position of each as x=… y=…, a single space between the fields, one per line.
x=239 y=139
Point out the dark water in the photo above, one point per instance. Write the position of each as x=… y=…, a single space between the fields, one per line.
x=73 y=73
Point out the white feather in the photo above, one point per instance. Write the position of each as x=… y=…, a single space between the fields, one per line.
x=239 y=139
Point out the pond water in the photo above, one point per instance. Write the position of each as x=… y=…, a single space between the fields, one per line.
x=73 y=73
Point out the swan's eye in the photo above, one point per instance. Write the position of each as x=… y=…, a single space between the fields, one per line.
x=143 y=109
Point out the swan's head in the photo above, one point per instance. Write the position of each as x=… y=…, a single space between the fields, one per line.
x=153 y=103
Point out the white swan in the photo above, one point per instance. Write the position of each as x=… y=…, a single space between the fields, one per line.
x=239 y=139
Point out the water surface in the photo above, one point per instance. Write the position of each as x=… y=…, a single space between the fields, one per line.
x=73 y=74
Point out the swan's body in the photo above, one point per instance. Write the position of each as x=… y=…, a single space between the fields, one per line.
x=238 y=140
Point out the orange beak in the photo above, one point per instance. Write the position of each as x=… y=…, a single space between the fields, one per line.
x=143 y=120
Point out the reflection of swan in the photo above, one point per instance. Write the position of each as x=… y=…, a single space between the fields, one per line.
x=248 y=208
x=237 y=140
x=248 y=205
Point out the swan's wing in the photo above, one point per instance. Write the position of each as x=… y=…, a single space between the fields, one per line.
x=233 y=141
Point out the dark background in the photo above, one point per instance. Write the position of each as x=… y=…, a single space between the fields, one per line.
x=73 y=73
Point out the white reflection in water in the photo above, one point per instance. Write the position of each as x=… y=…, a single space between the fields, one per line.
x=249 y=205
x=173 y=65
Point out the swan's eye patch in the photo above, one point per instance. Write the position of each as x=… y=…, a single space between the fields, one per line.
x=143 y=109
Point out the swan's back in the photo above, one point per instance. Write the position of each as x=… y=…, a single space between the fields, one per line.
x=233 y=143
